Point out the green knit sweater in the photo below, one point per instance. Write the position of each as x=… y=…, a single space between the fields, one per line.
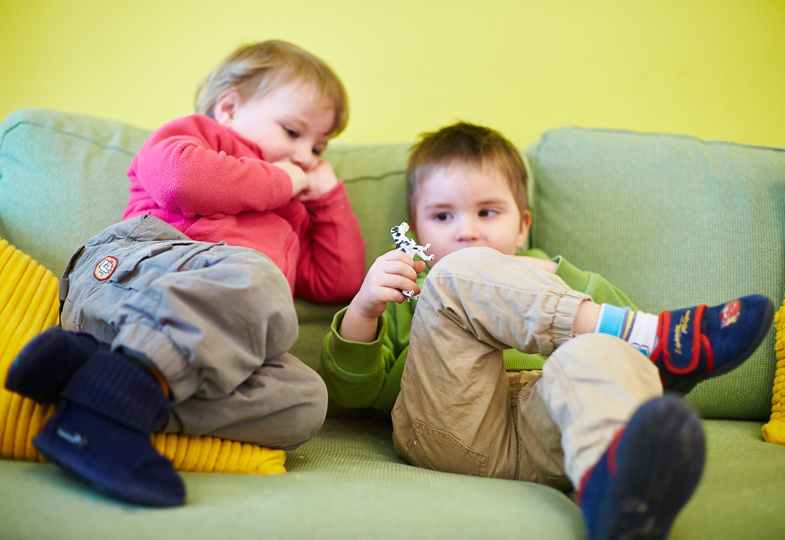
x=363 y=375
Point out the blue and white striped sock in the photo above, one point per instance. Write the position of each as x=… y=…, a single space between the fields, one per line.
x=637 y=328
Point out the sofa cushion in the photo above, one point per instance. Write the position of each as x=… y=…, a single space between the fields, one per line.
x=63 y=180
x=673 y=221
x=348 y=483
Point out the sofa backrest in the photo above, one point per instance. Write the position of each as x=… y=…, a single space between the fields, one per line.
x=671 y=220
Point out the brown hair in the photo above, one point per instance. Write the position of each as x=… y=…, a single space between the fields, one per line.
x=253 y=70
x=469 y=145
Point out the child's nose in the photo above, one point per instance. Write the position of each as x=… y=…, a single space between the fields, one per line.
x=303 y=157
x=467 y=229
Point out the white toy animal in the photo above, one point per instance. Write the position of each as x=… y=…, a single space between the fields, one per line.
x=411 y=248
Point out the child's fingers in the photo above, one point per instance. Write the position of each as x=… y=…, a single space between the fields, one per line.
x=402 y=269
x=323 y=177
x=391 y=291
x=398 y=255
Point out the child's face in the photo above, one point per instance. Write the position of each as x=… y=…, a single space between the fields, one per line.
x=289 y=123
x=458 y=207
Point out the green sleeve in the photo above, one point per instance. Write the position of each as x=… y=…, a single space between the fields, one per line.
x=363 y=375
x=596 y=286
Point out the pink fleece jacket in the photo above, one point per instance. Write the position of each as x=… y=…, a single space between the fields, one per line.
x=214 y=185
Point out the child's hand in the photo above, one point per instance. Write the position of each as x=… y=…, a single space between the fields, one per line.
x=322 y=180
x=392 y=272
x=301 y=182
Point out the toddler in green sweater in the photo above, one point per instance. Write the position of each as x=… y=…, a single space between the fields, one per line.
x=453 y=368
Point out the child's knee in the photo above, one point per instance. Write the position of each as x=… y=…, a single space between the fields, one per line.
x=307 y=418
x=293 y=423
x=464 y=261
x=462 y=266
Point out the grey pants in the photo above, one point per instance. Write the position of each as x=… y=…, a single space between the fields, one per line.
x=459 y=411
x=216 y=320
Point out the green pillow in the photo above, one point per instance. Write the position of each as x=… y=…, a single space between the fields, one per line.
x=63 y=180
x=375 y=177
x=673 y=221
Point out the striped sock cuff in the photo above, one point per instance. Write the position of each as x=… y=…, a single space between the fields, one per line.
x=612 y=320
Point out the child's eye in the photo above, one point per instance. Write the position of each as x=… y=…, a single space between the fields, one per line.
x=292 y=133
x=317 y=151
x=441 y=216
x=487 y=212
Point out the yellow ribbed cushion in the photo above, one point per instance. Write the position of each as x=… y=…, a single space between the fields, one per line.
x=774 y=431
x=29 y=305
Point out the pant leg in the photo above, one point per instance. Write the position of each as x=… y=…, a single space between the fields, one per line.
x=591 y=386
x=454 y=411
x=208 y=316
x=282 y=404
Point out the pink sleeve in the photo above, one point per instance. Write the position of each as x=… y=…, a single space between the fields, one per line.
x=194 y=167
x=331 y=267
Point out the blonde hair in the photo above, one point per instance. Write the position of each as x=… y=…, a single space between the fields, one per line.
x=468 y=145
x=253 y=70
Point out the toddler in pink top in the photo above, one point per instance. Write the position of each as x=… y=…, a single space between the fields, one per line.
x=247 y=170
x=180 y=318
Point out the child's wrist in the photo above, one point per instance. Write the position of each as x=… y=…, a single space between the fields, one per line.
x=358 y=327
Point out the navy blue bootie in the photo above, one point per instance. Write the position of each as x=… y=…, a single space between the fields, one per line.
x=101 y=432
x=698 y=343
x=44 y=366
x=646 y=476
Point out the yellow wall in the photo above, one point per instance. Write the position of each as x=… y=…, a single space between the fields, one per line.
x=711 y=69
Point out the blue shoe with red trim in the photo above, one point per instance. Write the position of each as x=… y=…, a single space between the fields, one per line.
x=698 y=343
x=646 y=476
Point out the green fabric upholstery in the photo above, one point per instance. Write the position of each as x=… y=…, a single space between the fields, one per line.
x=347 y=483
x=63 y=180
x=609 y=201
x=672 y=221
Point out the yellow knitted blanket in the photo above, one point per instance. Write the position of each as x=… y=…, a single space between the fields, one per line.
x=774 y=431
x=29 y=305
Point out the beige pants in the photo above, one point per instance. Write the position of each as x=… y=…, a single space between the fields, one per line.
x=459 y=411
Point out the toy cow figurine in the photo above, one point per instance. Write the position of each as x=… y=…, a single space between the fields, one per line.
x=411 y=248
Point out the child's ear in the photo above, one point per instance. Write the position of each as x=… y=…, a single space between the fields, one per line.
x=526 y=222
x=226 y=107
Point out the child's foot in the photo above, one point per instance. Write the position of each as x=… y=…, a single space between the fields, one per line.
x=698 y=343
x=101 y=432
x=47 y=362
x=647 y=474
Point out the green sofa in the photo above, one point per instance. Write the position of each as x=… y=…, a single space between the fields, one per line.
x=671 y=220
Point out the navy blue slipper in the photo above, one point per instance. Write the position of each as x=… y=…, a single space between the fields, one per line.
x=47 y=362
x=647 y=474
x=698 y=343
x=101 y=432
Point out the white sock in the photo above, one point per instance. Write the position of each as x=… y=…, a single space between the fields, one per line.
x=642 y=332
x=637 y=328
